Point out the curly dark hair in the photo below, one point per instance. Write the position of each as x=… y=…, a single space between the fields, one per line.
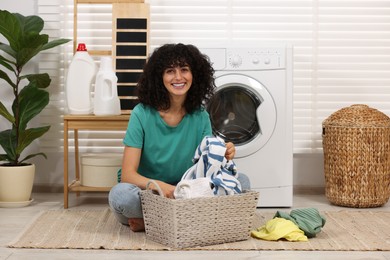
x=150 y=87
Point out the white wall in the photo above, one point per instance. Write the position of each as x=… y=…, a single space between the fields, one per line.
x=308 y=168
x=24 y=7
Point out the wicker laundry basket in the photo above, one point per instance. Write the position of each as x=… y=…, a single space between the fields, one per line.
x=182 y=223
x=356 y=143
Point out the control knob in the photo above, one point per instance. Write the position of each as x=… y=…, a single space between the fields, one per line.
x=236 y=61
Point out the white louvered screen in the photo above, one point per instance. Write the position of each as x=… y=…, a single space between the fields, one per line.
x=341 y=52
x=351 y=63
x=95 y=30
x=54 y=63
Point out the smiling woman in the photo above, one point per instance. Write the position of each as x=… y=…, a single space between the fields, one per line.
x=166 y=128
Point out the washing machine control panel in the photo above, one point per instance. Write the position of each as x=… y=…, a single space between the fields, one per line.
x=254 y=59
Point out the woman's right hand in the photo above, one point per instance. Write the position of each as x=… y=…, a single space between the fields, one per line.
x=131 y=159
x=166 y=188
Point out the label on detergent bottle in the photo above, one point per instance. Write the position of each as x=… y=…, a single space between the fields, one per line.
x=81 y=74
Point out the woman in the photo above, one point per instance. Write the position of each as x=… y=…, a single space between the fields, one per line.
x=165 y=128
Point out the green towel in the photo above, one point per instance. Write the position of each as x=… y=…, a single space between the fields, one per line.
x=309 y=220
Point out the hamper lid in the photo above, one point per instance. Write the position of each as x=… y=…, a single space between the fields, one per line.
x=357 y=116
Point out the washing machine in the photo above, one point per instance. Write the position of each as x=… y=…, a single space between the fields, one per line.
x=252 y=108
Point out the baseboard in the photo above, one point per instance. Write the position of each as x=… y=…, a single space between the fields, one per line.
x=315 y=190
x=45 y=188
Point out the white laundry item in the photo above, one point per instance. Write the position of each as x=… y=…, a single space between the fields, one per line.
x=195 y=188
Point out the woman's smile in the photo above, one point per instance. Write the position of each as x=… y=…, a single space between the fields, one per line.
x=178 y=85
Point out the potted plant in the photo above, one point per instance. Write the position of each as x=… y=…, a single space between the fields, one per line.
x=29 y=98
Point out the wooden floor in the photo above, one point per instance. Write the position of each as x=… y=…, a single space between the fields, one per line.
x=13 y=221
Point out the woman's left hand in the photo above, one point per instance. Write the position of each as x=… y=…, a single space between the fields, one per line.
x=230 y=151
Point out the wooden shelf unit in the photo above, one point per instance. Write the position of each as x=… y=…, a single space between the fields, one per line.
x=129 y=53
x=85 y=122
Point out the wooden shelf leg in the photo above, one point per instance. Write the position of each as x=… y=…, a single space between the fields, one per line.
x=66 y=150
x=76 y=157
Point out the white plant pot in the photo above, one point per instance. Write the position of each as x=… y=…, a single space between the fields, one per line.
x=16 y=184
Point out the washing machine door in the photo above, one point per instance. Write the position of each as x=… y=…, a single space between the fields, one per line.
x=243 y=112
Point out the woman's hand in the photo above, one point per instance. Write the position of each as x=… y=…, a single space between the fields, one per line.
x=230 y=151
x=166 y=188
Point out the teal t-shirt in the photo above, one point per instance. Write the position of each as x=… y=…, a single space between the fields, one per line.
x=166 y=151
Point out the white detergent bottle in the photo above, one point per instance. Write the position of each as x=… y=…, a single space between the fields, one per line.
x=81 y=74
x=106 y=100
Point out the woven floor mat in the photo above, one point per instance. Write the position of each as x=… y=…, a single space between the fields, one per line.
x=360 y=230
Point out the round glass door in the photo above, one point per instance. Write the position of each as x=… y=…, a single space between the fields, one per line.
x=233 y=114
x=243 y=112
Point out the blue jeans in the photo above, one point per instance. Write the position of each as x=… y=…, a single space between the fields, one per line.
x=125 y=201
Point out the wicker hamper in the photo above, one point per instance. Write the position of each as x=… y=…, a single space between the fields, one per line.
x=356 y=143
x=184 y=223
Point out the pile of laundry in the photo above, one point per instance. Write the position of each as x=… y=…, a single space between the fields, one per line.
x=212 y=174
x=299 y=225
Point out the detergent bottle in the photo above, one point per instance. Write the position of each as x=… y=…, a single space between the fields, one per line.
x=81 y=74
x=106 y=100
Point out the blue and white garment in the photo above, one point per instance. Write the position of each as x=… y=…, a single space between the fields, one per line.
x=209 y=161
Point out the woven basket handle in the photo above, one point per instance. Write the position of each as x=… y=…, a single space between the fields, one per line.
x=160 y=192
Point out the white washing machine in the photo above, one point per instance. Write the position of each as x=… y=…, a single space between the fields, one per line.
x=252 y=108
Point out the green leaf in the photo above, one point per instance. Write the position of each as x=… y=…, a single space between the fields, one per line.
x=10 y=28
x=8 y=143
x=55 y=43
x=39 y=80
x=7 y=49
x=28 y=28
x=4 y=157
x=4 y=112
x=27 y=136
x=5 y=77
x=31 y=156
x=6 y=63
x=30 y=46
x=30 y=23
x=32 y=101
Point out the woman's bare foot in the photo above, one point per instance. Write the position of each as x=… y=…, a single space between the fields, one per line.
x=137 y=224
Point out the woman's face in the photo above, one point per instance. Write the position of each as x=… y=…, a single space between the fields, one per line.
x=177 y=80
